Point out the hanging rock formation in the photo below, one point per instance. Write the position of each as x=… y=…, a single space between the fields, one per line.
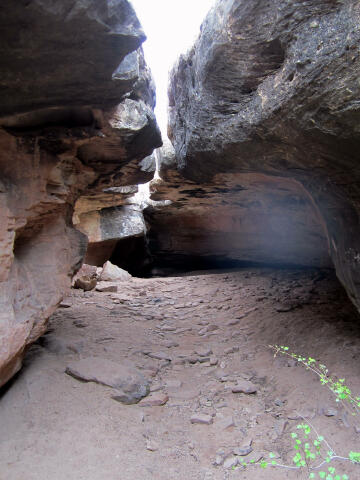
x=114 y=223
x=269 y=95
x=76 y=118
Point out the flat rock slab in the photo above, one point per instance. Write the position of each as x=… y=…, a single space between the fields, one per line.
x=202 y=419
x=159 y=356
x=130 y=383
x=106 y=287
x=154 y=400
x=243 y=450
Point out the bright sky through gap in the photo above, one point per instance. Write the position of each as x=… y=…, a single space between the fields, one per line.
x=171 y=27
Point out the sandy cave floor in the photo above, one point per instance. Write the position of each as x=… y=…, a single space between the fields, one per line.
x=54 y=427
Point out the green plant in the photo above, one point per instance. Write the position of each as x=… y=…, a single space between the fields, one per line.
x=312 y=452
x=312 y=455
x=337 y=386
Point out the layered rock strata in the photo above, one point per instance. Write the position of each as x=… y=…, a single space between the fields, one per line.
x=233 y=219
x=76 y=118
x=113 y=222
x=271 y=90
x=108 y=226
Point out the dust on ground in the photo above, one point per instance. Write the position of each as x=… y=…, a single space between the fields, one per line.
x=215 y=329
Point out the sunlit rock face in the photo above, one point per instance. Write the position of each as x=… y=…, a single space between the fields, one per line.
x=114 y=224
x=76 y=119
x=271 y=89
x=108 y=226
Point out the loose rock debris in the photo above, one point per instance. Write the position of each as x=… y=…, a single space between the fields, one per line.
x=143 y=389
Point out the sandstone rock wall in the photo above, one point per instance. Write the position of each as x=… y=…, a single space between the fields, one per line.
x=77 y=118
x=112 y=216
x=234 y=218
x=272 y=88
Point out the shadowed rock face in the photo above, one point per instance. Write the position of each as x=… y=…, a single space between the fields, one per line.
x=272 y=88
x=235 y=218
x=77 y=119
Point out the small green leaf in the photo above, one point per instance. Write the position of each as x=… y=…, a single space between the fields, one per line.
x=354 y=457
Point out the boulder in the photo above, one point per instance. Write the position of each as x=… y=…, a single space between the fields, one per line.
x=85 y=283
x=108 y=226
x=85 y=278
x=130 y=385
x=112 y=273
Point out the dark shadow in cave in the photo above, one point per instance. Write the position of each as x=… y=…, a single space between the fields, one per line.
x=179 y=264
x=132 y=254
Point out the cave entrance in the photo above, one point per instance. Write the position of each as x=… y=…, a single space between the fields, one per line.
x=129 y=253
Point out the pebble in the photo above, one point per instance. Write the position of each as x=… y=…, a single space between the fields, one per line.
x=166 y=328
x=183 y=330
x=201 y=418
x=159 y=356
x=243 y=451
x=285 y=308
x=231 y=462
x=231 y=350
x=204 y=351
x=203 y=359
x=219 y=460
x=330 y=412
x=106 y=288
x=152 y=446
x=65 y=304
x=154 y=400
x=207 y=329
x=244 y=386
x=170 y=344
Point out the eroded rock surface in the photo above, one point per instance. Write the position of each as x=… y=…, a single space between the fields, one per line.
x=271 y=89
x=77 y=117
x=237 y=217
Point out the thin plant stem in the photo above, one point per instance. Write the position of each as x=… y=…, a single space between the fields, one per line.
x=317 y=433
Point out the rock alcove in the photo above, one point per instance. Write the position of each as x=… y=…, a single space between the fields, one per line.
x=261 y=179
